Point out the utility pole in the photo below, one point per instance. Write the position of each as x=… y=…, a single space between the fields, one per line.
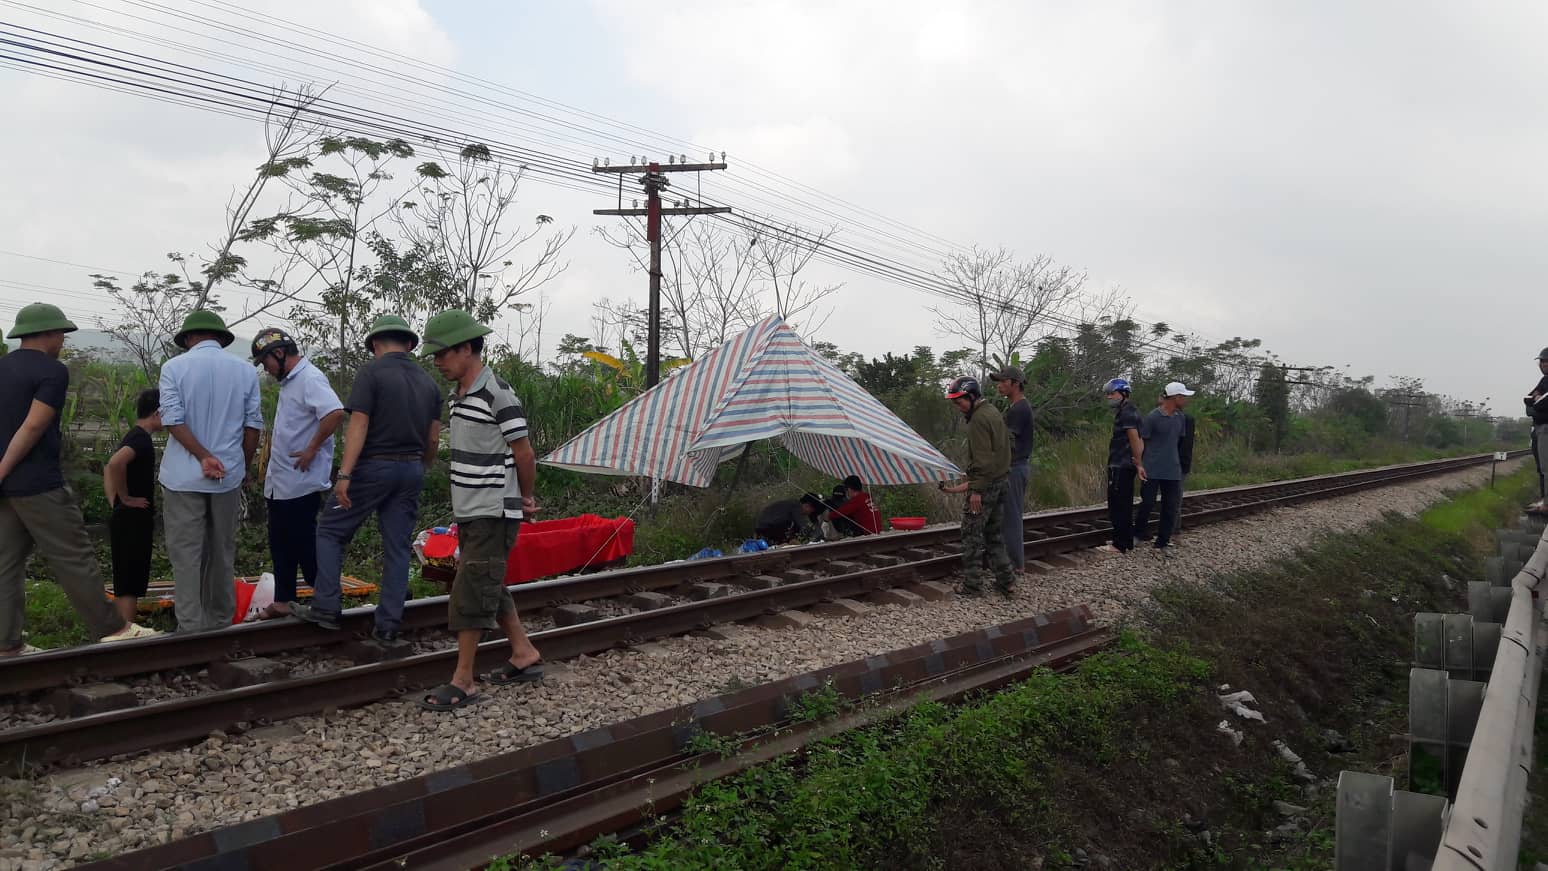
x=1407 y=408
x=655 y=181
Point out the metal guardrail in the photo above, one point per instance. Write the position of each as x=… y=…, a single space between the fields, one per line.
x=1483 y=832
x=1477 y=736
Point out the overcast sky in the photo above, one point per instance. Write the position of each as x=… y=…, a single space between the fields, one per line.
x=1353 y=183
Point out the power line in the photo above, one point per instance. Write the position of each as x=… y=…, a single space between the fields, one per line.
x=219 y=91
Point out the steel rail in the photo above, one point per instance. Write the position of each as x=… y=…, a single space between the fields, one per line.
x=56 y=668
x=564 y=792
x=71 y=741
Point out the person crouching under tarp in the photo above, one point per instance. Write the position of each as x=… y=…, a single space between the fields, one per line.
x=853 y=513
x=788 y=519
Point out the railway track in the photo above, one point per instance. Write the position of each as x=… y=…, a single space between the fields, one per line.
x=766 y=583
x=562 y=794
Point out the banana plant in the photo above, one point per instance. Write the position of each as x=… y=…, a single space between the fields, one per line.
x=628 y=374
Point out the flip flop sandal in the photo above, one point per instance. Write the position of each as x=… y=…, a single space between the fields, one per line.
x=509 y=674
x=448 y=697
x=21 y=651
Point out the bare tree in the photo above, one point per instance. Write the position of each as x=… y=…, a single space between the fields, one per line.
x=709 y=280
x=783 y=253
x=462 y=211
x=1005 y=305
x=152 y=311
x=288 y=138
x=717 y=281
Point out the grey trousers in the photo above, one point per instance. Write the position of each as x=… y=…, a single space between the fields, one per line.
x=200 y=529
x=52 y=523
x=1011 y=525
x=1540 y=446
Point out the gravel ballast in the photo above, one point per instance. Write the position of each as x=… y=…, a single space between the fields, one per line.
x=69 y=817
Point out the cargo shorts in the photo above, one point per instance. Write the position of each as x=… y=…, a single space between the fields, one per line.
x=478 y=597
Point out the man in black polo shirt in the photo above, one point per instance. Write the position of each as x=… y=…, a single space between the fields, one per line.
x=1125 y=463
x=36 y=508
x=391 y=439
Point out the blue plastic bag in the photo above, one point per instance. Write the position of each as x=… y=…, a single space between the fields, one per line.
x=754 y=545
x=707 y=553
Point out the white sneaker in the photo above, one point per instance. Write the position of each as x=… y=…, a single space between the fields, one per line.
x=135 y=630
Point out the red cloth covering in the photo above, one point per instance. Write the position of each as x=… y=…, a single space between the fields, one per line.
x=861 y=510
x=556 y=547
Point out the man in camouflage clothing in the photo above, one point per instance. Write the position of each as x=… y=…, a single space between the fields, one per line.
x=987 y=466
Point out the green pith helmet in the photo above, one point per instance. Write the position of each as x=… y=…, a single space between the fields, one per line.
x=450 y=329
x=203 y=321
x=41 y=317
x=391 y=324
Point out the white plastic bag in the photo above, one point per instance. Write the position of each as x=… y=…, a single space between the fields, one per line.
x=263 y=597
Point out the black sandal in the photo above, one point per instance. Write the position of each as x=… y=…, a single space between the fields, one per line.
x=509 y=674
x=448 y=697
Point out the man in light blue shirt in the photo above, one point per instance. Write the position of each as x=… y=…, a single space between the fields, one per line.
x=210 y=407
x=300 y=460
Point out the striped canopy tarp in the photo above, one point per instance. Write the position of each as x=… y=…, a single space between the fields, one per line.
x=764 y=383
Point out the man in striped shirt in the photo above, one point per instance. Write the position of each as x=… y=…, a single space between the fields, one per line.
x=492 y=474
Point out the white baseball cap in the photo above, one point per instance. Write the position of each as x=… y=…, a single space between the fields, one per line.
x=1177 y=388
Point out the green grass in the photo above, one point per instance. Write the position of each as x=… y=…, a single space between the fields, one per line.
x=1040 y=768
x=1483 y=508
x=871 y=798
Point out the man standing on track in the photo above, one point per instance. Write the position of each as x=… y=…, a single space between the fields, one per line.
x=300 y=458
x=1185 y=459
x=1162 y=431
x=1125 y=463
x=988 y=464
x=493 y=471
x=36 y=508
x=210 y=407
x=393 y=433
x=1011 y=383
x=1537 y=409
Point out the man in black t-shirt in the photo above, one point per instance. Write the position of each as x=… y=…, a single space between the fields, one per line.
x=1125 y=463
x=36 y=508
x=393 y=432
x=129 y=483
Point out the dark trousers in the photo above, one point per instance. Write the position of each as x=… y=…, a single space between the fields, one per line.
x=131 y=531
x=1171 y=501
x=1013 y=524
x=293 y=542
x=1120 y=506
x=390 y=490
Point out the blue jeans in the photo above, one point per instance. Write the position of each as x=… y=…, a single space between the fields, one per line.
x=390 y=490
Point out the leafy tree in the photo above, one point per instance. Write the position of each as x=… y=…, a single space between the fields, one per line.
x=1272 y=397
x=1361 y=406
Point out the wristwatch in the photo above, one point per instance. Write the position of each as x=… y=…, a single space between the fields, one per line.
x=343 y=477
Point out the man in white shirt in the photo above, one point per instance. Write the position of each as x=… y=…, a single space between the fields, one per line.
x=300 y=459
